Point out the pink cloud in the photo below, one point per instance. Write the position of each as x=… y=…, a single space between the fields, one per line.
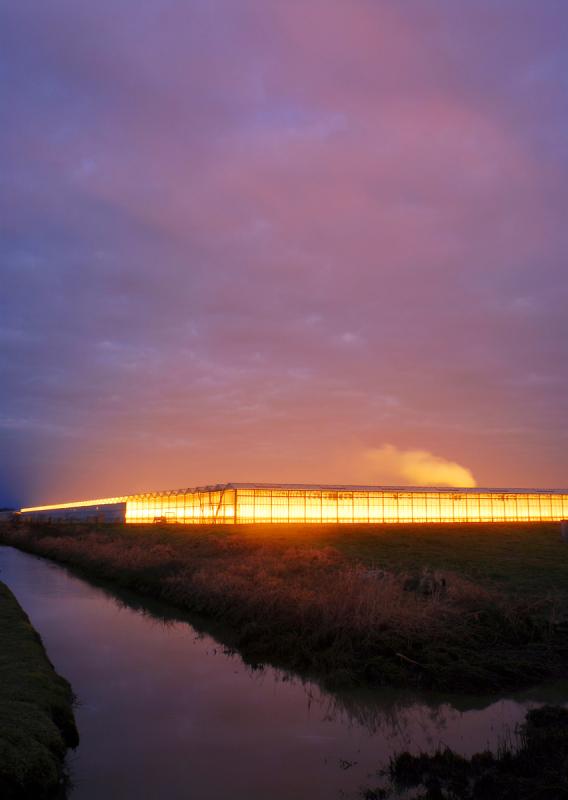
x=244 y=244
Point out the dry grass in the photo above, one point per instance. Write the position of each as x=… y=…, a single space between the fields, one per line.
x=316 y=609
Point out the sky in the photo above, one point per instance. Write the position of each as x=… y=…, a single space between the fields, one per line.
x=282 y=240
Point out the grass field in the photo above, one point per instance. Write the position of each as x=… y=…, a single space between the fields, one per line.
x=517 y=558
x=36 y=715
x=463 y=607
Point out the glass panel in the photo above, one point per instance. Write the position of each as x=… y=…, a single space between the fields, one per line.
x=297 y=505
x=376 y=505
x=522 y=503
x=485 y=508
x=556 y=506
x=391 y=506
x=419 y=511
x=360 y=506
x=279 y=505
x=313 y=506
x=534 y=506
x=545 y=506
x=404 y=507
x=459 y=503
x=329 y=507
x=433 y=506
x=446 y=507
x=263 y=505
x=345 y=506
x=498 y=507
x=472 y=503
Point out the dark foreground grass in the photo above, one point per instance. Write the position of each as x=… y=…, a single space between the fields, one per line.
x=460 y=607
x=535 y=767
x=36 y=715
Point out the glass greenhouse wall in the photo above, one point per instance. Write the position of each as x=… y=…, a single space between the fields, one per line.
x=255 y=503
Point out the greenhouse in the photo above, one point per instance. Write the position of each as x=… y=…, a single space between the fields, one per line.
x=234 y=503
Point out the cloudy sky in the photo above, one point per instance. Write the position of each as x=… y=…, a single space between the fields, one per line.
x=282 y=240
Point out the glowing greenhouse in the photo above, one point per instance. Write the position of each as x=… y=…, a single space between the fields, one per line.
x=234 y=503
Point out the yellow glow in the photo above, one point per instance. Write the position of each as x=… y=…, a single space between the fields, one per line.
x=77 y=504
x=232 y=504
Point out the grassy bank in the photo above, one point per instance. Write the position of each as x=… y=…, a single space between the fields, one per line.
x=533 y=766
x=36 y=716
x=463 y=607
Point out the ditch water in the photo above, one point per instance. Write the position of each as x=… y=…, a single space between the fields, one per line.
x=165 y=712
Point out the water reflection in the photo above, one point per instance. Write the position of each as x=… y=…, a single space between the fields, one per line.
x=168 y=710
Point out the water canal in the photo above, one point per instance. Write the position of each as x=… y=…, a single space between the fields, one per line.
x=166 y=712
